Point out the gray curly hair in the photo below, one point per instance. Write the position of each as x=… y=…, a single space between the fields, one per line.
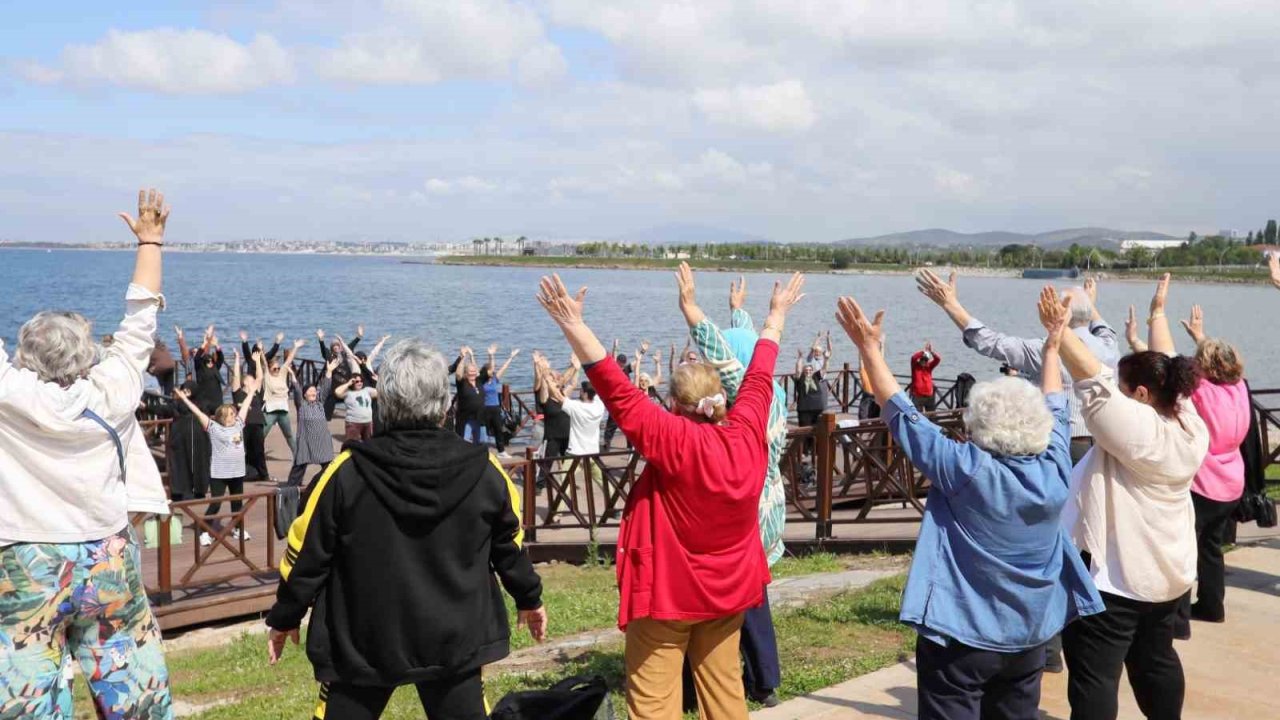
x=1008 y=416
x=413 y=386
x=57 y=346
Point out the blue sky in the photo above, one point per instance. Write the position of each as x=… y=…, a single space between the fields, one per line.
x=799 y=120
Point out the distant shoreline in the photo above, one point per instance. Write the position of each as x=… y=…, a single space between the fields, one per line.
x=1241 y=277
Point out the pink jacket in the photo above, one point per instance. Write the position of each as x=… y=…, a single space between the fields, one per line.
x=1225 y=410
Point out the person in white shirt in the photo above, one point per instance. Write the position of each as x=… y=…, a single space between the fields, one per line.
x=585 y=416
x=73 y=465
x=1132 y=518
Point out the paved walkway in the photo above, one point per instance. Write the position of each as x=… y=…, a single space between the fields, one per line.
x=1230 y=668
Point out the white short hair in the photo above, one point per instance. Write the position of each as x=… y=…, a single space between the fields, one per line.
x=1008 y=416
x=57 y=346
x=1081 y=307
x=413 y=386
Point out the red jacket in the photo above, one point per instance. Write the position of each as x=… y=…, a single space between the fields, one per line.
x=689 y=547
x=922 y=374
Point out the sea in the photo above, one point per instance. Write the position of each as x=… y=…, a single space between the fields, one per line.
x=449 y=306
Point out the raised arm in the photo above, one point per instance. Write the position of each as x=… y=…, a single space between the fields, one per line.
x=184 y=354
x=503 y=370
x=293 y=351
x=706 y=335
x=275 y=346
x=119 y=375
x=1054 y=314
x=356 y=340
x=945 y=295
x=376 y=349
x=949 y=464
x=756 y=394
x=1136 y=343
x=324 y=349
x=195 y=411
x=148 y=228
x=1159 y=336
x=866 y=335
x=257 y=365
x=826 y=354
x=250 y=387
x=657 y=369
x=1195 y=325
x=235 y=372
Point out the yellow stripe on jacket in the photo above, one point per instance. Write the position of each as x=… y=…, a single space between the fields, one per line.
x=515 y=498
x=298 y=530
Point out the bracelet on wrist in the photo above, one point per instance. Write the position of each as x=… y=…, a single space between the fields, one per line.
x=150 y=242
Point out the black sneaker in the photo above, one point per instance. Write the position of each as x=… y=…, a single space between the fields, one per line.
x=768 y=700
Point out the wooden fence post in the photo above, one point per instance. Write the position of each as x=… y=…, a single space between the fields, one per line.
x=824 y=462
x=164 y=559
x=530 y=519
x=844 y=390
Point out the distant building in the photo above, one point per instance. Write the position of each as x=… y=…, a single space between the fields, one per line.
x=1230 y=234
x=1151 y=244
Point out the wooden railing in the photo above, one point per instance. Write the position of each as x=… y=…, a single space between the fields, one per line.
x=852 y=465
x=203 y=570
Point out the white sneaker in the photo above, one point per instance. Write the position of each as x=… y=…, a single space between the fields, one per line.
x=205 y=539
x=237 y=534
x=504 y=455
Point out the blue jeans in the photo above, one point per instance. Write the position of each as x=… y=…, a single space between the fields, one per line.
x=473 y=432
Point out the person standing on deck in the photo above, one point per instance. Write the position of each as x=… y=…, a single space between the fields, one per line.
x=923 y=364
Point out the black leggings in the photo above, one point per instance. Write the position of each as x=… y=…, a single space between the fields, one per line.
x=219 y=487
x=255 y=450
x=493 y=424
x=455 y=698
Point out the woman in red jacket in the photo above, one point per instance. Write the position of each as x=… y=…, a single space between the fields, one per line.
x=689 y=554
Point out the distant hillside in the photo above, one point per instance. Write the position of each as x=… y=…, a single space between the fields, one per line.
x=939 y=237
x=689 y=233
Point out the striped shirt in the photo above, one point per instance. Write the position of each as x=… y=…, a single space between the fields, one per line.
x=315 y=443
x=772 y=509
x=226 y=443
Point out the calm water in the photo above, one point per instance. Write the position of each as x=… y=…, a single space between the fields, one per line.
x=451 y=306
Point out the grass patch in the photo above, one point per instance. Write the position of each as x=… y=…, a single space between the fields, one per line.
x=821 y=644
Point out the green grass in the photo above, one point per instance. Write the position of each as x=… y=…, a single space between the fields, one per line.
x=820 y=644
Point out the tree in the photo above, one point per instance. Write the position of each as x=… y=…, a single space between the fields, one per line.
x=841 y=259
x=1249 y=239
x=1270 y=236
x=1191 y=239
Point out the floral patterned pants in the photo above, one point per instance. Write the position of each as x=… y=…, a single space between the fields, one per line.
x=87 y=601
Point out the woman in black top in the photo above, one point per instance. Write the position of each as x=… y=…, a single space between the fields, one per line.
x=208 y=366
x=468 y=396
x=188 y=451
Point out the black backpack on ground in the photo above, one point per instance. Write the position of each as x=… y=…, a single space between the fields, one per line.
x=582 y=697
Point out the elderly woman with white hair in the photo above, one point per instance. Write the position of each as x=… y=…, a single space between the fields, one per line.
x=395 y=554
x=994 y=576
x=73 y=465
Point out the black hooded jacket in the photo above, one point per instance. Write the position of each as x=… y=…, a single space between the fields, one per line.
x=397 y=548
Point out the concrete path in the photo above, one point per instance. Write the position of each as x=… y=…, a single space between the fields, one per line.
x=1230 y=668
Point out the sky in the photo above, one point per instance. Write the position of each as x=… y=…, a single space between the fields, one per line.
x=796 y=120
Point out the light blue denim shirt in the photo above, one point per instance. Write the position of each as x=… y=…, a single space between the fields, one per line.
x=993 y=567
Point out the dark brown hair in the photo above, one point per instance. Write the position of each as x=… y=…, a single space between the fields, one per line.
x=1166 y=378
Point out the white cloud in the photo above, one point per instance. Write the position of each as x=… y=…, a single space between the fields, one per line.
x=783 y=106
x=467 y=184
x=421 y=42
x=171 y=61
